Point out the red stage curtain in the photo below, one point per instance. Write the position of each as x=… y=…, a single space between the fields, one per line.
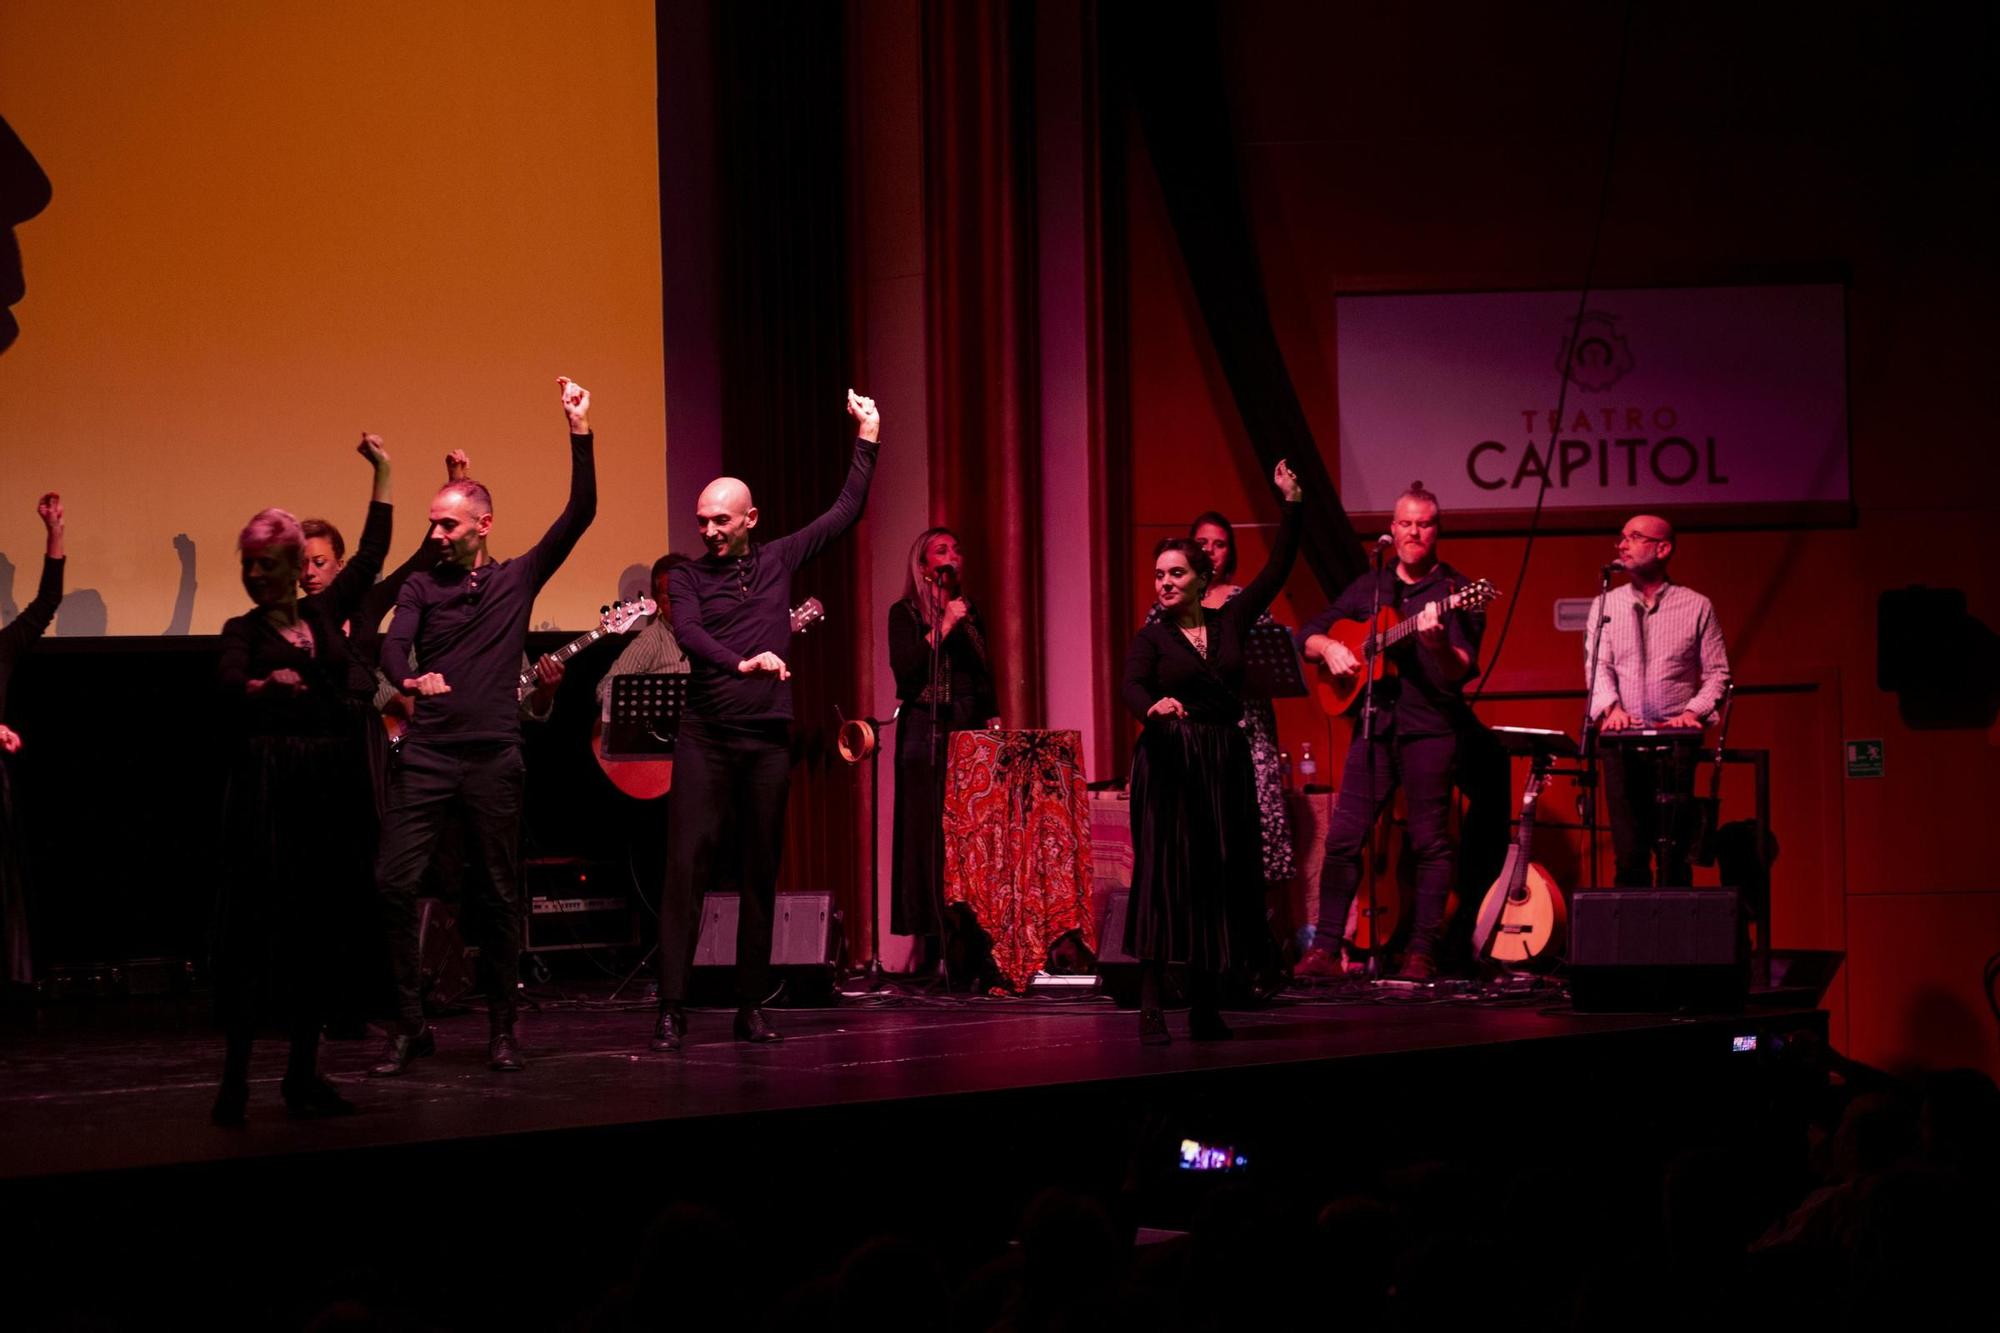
x=981 y=279
x=787 y=359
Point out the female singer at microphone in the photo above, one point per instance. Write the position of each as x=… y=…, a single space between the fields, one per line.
x=934 y=610
x=1197 y=872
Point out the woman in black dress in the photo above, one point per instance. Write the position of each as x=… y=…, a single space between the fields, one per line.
x=933 y=607
x=298 y=802
x=16 y=959
x=1197 y=872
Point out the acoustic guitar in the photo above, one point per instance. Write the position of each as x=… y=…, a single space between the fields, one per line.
x=1371 y=644
x=649 y=777
x=611 y=620
x=1522 y=919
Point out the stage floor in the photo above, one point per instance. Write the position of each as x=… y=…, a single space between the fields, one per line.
x=118 y=1091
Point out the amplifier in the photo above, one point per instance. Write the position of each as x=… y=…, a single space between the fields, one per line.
x=558 y=924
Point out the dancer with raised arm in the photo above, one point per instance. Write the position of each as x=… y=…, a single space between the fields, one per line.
x=465 y=623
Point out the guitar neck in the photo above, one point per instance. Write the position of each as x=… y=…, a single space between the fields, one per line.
x=1404 y=629
x=564 y=653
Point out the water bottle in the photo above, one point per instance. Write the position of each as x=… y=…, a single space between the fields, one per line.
x=1285 y=768
x=1308 y=770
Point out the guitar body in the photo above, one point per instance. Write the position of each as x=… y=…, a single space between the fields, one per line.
x=1523 y=926
x=1338 y=694
x=645 y=779
x=1371 y=925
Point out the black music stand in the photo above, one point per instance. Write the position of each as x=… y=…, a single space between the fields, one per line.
x=1271 y=664
x=645 y=715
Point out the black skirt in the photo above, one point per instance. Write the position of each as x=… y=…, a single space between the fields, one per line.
x=917 y=870
x=296 y=917
x=1197 y=846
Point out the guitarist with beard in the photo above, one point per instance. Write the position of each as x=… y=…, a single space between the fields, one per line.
x=1420 y=709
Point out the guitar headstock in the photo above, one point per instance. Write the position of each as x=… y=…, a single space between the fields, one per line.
x=617 y=619
x=807 y=613
x=1474 y=595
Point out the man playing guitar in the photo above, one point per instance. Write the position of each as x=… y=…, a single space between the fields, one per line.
x=1419 y=711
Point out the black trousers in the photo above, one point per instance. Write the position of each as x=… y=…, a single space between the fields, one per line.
x=480 y=785
x=1423 y=766
x=1635 y=777
x=738 y=775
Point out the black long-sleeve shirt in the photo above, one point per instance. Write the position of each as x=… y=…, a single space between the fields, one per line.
x=252 y=649
x=728 y=609
x=31 y=624
x=471 y=625
x=1162 y=664
x=1418 y=700
x=968 y=675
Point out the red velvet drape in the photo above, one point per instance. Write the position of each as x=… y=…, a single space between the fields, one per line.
x=981 y=306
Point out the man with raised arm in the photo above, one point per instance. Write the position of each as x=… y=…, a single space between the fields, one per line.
x=465 y=623
x=731 y=614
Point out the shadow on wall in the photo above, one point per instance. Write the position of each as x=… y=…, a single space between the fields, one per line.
x=82 y=615
x=184 y=596
x=24 y=192
x=635 y=582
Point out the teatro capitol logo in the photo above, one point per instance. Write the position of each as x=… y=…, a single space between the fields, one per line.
x=1599 y=356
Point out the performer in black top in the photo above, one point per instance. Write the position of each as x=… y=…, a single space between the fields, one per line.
x=1197 y=847
x=16 y=958
x=733 y=754
x=1419 y=712
x=465 y=621
x=297 y=800
x=933 y=607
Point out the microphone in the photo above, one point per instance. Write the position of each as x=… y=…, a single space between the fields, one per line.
x=1384 y=540
x=1612 y=568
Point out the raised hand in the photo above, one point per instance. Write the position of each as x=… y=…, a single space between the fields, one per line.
x=428 y=683
x=457 y=467
x=10 y=740
x=575 y=405
x=49 y=507
x=770 y=662
x=868 y=420
x=1287 y=482
x=371 y=449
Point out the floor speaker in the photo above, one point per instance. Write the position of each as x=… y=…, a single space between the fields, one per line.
x=1656 y=950
x=801 y=930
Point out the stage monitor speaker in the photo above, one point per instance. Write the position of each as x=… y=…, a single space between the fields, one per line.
x=1655 y=950
x=1117 y=970
x=801 y=930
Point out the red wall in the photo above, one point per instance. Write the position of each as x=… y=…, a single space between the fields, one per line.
x=1390 y=152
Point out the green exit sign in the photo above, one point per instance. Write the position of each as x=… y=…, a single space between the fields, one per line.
x=1864 y=759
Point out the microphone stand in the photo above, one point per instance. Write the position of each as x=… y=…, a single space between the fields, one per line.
x=1588 y=778
x=1371 y=651
x=934 y=859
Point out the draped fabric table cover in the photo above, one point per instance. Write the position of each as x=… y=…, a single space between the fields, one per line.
x=1017 y=841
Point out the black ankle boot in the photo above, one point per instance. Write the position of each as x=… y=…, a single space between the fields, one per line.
x=313 y=1098
x=670 y=1030
x=232 y=1100
x=752 y=1026
x=1153 y=1027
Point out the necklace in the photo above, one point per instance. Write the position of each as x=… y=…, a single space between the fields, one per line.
x=1197 y=638
x=299 y=634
